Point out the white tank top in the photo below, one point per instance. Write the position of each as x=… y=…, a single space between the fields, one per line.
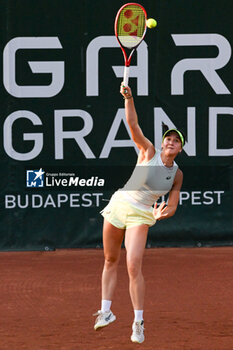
x=150 y=180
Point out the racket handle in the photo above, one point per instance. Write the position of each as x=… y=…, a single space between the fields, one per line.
x=126 y=76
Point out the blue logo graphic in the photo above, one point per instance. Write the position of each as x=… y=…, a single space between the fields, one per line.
x=35 y=178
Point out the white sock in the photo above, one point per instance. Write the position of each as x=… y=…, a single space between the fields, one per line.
x=138 y=315
x=106 y=305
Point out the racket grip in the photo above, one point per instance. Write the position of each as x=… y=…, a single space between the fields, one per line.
x=126 y=76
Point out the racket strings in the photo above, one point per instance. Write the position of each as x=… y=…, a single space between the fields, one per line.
x=131 y=26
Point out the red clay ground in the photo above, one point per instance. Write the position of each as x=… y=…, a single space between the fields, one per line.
x=48 y=298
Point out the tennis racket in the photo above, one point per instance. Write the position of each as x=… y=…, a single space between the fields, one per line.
x=130 y=30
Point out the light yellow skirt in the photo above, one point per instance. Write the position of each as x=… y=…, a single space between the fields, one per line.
x=123 y=214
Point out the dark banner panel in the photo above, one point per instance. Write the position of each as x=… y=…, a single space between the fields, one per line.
x=65 y=144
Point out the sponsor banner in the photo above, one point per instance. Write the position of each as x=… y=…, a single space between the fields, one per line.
x=82 y=199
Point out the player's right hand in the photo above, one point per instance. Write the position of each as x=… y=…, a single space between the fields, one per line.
x=125 y=91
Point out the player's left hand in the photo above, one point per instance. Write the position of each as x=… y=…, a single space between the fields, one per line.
x=159 y=212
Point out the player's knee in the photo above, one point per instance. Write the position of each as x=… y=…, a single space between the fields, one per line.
x=110 y=261
x=134 y=268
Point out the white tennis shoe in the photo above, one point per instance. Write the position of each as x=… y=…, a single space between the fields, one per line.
x=103 y=319
x=138 y=332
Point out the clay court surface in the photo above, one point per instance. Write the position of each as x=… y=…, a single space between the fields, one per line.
x=48 y=298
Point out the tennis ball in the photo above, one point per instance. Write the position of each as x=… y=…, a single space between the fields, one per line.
x=151 y=23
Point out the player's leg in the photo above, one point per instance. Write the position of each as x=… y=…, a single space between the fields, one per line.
x=112 y=240
x=135 y=241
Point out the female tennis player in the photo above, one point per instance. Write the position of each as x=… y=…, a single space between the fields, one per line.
x=129 y=215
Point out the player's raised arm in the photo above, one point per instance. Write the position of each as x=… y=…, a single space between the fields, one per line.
x=132 y=119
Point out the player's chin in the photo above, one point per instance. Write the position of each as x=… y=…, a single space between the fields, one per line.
x=172 y=152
